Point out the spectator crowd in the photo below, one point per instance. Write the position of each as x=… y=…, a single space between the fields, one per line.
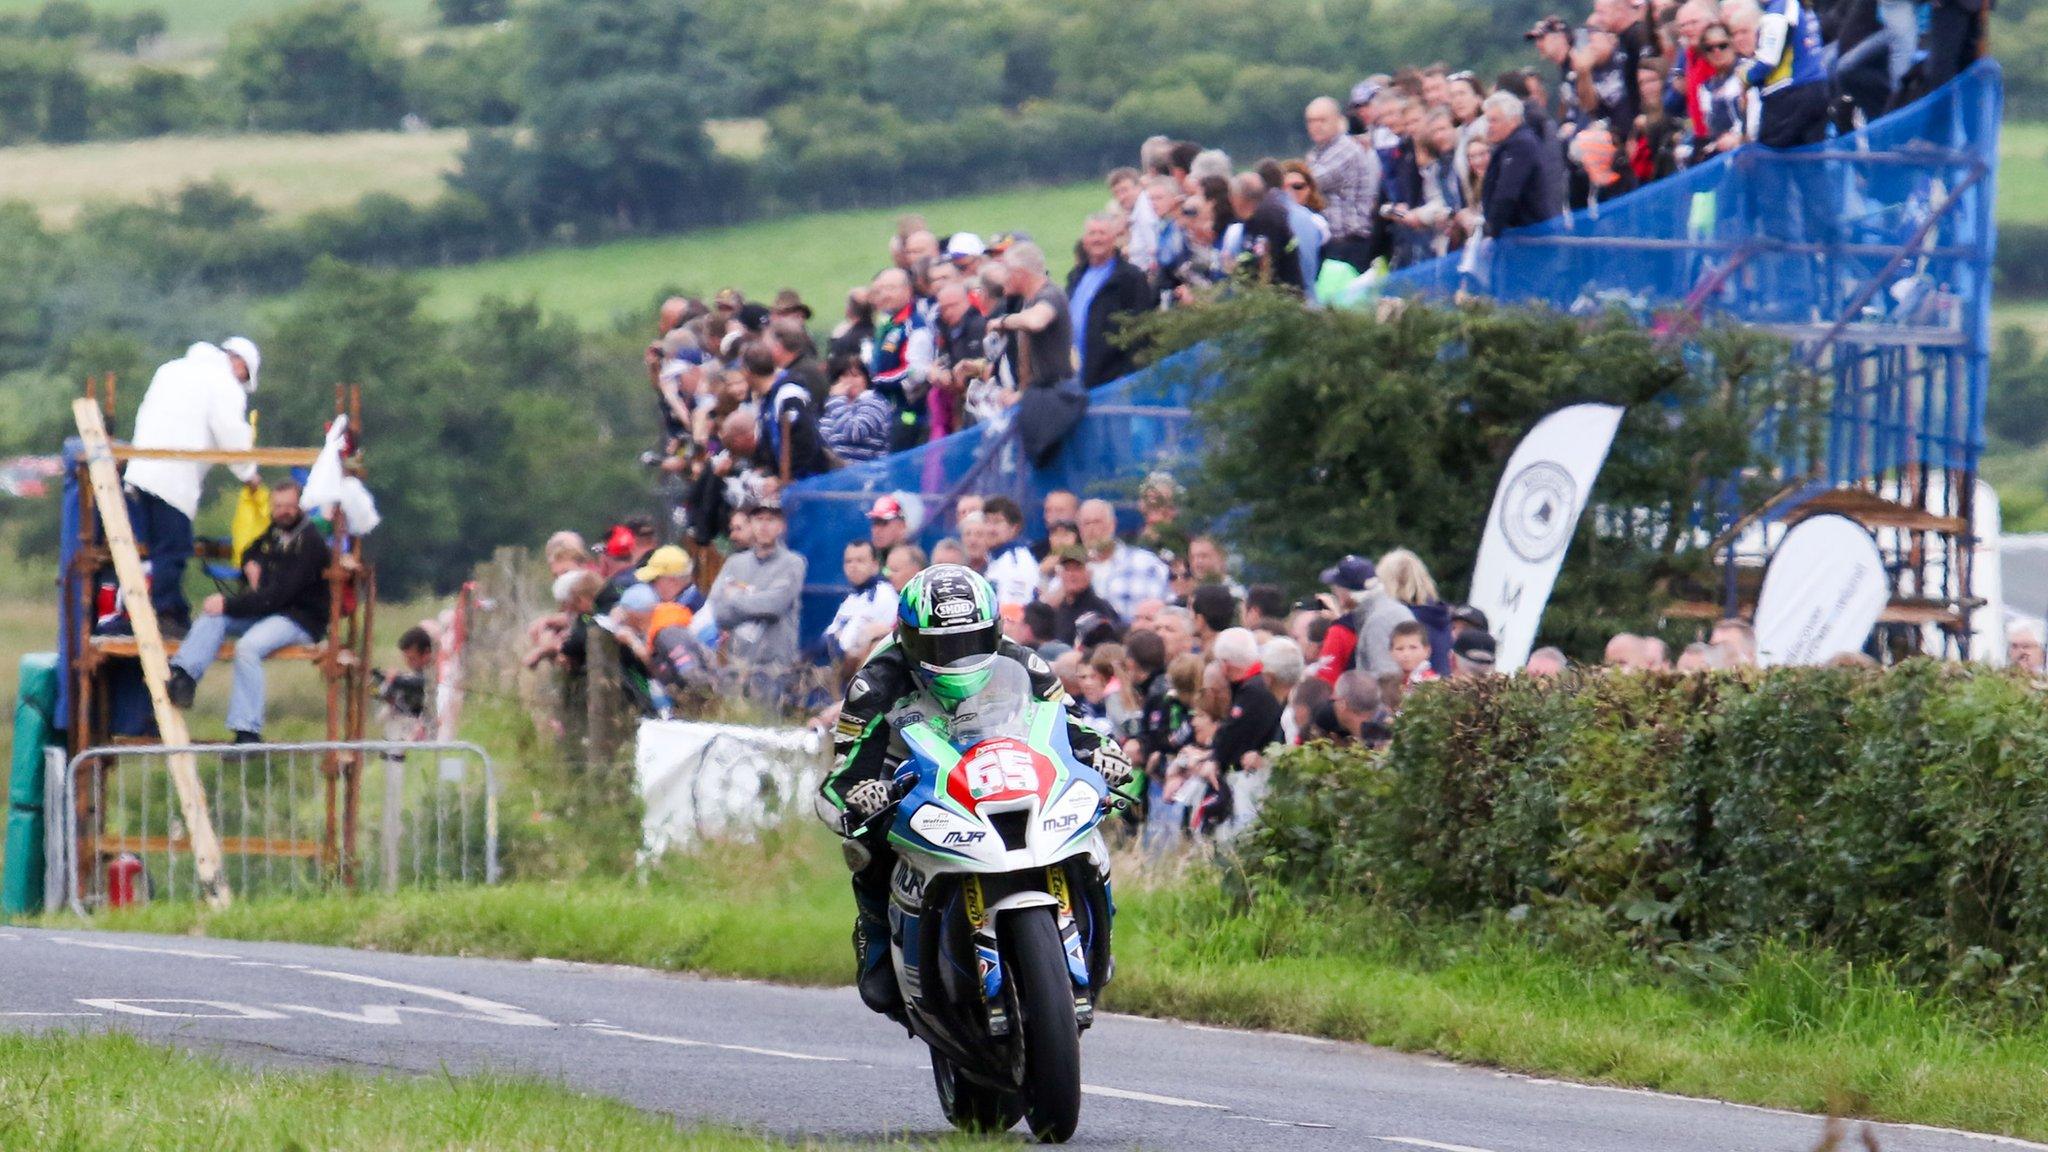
x=1150 y=632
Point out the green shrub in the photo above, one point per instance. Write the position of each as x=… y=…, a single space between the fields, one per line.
x=1414 y=419
x=1898 y=818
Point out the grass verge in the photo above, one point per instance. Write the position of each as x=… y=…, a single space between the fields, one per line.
x=62 y=1091
x=1792 y=1030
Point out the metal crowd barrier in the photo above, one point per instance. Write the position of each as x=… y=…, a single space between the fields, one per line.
x=292 y=819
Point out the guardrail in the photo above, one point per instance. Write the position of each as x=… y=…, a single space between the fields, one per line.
x=291 y=818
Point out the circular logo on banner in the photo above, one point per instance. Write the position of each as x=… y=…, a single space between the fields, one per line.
x=1536 y=511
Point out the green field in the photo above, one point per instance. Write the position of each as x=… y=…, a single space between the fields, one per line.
x=2023 y=173
x=210 y=20
x=290 y=174
x=820 y=255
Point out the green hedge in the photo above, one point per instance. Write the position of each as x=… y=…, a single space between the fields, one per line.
x=1897 y=817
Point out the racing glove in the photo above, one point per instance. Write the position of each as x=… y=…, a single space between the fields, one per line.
x=866 y=798
x=1113 y=764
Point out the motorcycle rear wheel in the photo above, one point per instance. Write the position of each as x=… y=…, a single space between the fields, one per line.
x=1037 y=963
x=973 y=1107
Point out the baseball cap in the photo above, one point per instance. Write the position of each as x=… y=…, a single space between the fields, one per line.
x=1476 y=647
x=639 y=598
x=1071 y=554
x=1547 y=26
x=753 y=317
x=618 y=543
x=965 y=245
x=1467 y=614
x=885 y=509
x=1352 y=574
x=1363 y=92
x=667 y=560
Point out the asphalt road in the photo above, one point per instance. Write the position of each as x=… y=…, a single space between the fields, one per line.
x=814 y=1062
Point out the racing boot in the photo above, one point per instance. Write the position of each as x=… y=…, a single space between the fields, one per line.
x=877 y=982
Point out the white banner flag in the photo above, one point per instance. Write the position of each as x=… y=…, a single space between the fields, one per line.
x=1535 y=510
x=1822 y=593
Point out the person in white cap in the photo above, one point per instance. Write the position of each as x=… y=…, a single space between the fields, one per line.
x=965 y=250
x=198 y=402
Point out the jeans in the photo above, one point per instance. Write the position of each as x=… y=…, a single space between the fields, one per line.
x=167 y=535
x=1899 y=38
x=258 y=638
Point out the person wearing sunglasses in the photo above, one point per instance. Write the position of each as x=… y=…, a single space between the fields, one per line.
x=1721 y=96
x=1690 y=68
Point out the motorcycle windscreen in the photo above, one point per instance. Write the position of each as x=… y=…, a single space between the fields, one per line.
x=1001 y=708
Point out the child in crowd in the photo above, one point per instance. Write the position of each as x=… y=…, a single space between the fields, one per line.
x=1409 y=646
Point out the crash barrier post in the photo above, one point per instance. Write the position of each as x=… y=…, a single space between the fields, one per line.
x=288 y=817
x=714 y=781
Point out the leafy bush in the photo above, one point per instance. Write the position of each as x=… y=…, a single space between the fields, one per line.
x=1898 y=818
x=326 y=67
x=1408 y=423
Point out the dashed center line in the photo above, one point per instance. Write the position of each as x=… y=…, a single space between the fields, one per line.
x=685 y=1042
x=1419 y=1142
x=1148 y=1098
x=109 y=946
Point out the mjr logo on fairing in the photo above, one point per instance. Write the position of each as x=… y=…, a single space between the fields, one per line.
x=963 y=839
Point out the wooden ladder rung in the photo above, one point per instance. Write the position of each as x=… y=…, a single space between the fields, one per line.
x=229 y=845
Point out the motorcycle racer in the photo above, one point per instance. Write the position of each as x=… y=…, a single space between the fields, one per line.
x=948 y=637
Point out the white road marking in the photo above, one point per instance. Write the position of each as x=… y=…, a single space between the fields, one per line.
x=1271 y=1123
x=782 y=1054
x=369 y=1013
x=1651 y=1093
x=1148 y=1098
x=109 y=946
x=683 y=1042
x=621 y=1033
x=1418 y=1142
x=490 y=1010
x=227 y=1009
x=1295 y=1036
x=1986 y=1137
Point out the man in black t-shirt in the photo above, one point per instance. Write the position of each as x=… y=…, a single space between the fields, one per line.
x=1075 y=599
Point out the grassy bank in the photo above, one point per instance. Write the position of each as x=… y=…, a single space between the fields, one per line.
x=115 y=1092
x=1792 y=1031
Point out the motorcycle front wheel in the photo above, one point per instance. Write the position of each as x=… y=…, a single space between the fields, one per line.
x=973 y=1107
x=1037 y=963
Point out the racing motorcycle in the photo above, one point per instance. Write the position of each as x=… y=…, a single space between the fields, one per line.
x=999 y=911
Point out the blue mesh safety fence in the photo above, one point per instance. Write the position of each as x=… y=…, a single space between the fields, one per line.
x=1872 y=252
